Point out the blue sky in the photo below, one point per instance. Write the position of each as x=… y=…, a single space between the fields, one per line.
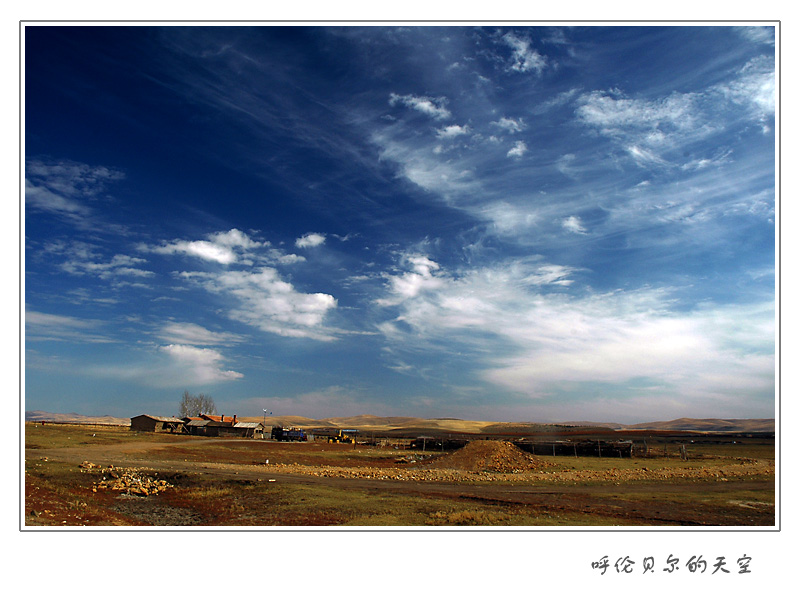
x=501 y=223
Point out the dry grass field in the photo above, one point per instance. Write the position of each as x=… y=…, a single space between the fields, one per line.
x=92 y=476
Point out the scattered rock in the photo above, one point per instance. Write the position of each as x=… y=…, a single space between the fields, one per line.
x=130 y=481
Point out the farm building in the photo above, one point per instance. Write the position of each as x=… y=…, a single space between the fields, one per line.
x=155 y=424
x=219 y=426
x=255 y=430
x=196 y=425
x=222 y=426
x=220 y=419
x=206 y=425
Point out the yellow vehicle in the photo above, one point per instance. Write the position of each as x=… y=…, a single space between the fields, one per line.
x=343 y=436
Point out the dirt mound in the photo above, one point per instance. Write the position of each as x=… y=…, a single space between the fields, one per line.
x=491 y=456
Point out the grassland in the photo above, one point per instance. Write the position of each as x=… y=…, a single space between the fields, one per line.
x=227 y=482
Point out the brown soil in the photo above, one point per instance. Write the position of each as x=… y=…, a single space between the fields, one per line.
x=491 y=456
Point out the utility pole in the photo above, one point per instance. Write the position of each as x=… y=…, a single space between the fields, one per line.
x=264 y=421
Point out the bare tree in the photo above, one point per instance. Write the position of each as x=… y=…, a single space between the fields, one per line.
x=193 y=406
x=185 y=406
x=206 y=405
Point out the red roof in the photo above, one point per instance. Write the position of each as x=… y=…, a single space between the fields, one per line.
x=218 y=418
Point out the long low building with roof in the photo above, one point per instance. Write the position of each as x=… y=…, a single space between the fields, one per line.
x=205 y=425
x=154 y=424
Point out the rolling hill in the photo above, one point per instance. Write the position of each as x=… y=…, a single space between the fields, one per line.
x=375 y=423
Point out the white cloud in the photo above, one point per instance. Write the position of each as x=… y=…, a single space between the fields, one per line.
x=530 y=338
x=618 y=338
x=282 y=258
x=432 y=107
x=573 y=224
x=524 y=57
x=310 y=240
x=431 y=299
x=263 y=300
x=518 y=150
x=234 y=238
x=221 y=247
x=205 y=250
x=755 y=87
x=452 y=131
x=510 y=125
x=168 y=366
x=202 y=366
x=432 y=174
x=410 y=284
x=645 y=126
x=193 y=334
x=611 y=112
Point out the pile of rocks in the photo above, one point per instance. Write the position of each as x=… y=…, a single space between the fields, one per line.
x=491 y=456
x=130 y=481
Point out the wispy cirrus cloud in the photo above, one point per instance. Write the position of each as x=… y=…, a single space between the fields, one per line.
x=189 y=333
x=763 y=35
x=651 y=129
x=582 y=217
x=67 y=188
x=521 y=334
x=419 y=166
x=169 y=366
x=83 y=258
x=44 y=326
x=119 y=265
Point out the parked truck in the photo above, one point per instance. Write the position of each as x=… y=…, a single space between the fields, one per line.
x=288 y=434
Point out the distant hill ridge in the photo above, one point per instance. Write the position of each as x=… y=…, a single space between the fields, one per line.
x=376 y=423
x=40 y=415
